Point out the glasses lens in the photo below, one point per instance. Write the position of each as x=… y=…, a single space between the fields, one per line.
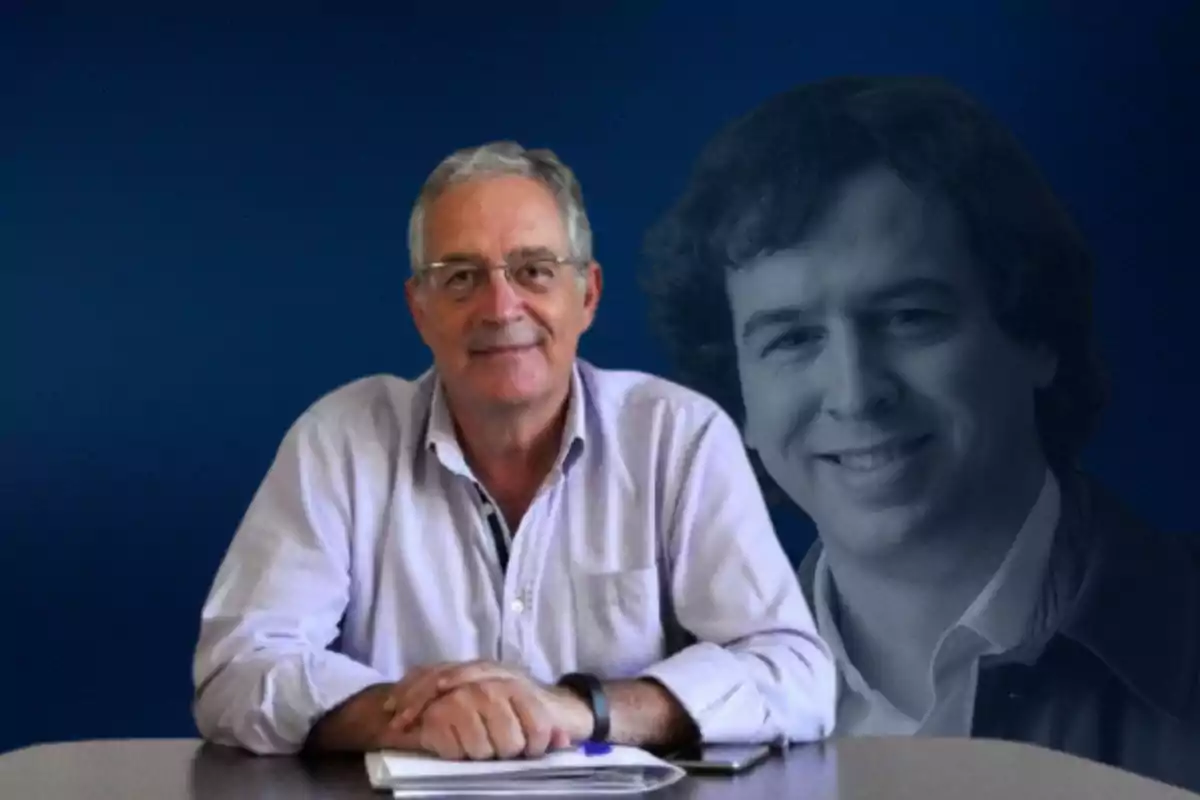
x=538 y=274
x=455 y=277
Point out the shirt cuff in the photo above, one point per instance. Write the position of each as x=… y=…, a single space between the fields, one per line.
x=711 y=684
x=337 y=678
x=328 y=680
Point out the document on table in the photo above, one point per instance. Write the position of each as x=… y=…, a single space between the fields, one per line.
x=622 y=770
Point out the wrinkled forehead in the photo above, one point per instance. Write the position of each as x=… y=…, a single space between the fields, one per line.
x=876 y=236
x=492 y=218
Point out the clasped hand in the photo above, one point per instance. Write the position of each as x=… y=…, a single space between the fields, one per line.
x=477 y=711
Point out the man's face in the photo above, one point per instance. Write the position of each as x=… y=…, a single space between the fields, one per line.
x=503 y=342
x=880 y=393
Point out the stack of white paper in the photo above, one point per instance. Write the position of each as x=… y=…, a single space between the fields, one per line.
x=624 y=770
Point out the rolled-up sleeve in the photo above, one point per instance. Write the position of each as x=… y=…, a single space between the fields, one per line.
x=263 y=670
x=758 y=671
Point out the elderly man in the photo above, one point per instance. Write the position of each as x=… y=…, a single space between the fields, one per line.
x=517 y=550
x=873 y=277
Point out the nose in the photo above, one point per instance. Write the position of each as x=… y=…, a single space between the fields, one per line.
x=498 y=298
x=858 y=382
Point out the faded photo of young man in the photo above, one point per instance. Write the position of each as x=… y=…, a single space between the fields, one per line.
x=875 y=280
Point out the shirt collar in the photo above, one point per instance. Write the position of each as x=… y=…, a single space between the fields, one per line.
x=1001 y=614
x=442 y=440
x=824 y=602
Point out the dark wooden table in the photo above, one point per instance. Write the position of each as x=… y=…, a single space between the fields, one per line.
x=850 y=769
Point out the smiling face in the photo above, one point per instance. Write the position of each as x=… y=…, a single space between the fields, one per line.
x=880 y=393
x=496 y=341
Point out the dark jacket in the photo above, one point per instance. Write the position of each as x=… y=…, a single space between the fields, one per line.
x=1119 y=680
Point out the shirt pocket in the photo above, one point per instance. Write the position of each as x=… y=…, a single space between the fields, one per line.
x=618 y=621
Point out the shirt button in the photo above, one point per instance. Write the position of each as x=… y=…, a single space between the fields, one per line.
x=518 y=606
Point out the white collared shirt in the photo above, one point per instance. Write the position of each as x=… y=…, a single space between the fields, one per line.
x=999 y=620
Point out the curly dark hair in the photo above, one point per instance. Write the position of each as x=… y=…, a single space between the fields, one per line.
x=762 y=182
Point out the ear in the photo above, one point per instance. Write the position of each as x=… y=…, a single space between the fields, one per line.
x=416 y=305
x=593 y=284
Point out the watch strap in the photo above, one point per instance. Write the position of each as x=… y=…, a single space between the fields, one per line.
x=590 y=690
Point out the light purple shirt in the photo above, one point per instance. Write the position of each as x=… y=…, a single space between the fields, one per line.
x=647 y=553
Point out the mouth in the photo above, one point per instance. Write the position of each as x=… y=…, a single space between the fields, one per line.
x=876 y=457
x=506 y=350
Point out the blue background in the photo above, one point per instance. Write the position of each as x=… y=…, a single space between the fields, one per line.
x=202 y=225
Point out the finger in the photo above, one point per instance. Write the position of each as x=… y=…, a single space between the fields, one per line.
x=472 y=732
x=400 y=687
x=436 y=731
x=476 y=672
x=559 y=739
x=441 y=741
x=504 y=727
x=443 y=681
x=535 y=724
x=412 y=699
x=405 y=740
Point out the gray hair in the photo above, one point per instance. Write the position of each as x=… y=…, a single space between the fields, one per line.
x=505 y=158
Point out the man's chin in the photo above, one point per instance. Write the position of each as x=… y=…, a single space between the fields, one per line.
x=512 y=394
x=877 y=533
x=870 y=525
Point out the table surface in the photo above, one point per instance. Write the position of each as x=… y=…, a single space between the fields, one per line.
x=847 y=769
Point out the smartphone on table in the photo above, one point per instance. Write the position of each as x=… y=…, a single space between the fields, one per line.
x=720 y=759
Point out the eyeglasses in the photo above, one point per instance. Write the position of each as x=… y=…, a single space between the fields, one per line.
x=461 y=278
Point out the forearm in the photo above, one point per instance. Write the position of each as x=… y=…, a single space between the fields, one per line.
x=764 y=688
x=646 y=714
x=270 y=703
x=642 y=713
x=357 y=725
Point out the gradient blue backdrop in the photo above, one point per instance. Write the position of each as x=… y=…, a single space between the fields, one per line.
x=202 y=230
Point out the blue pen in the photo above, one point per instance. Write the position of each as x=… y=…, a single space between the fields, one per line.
x=596 y=748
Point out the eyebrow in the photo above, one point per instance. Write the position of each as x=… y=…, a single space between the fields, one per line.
x=449 y=258
x=520 y=252
x=533 y=252
x=770 y=318
x=914 y=287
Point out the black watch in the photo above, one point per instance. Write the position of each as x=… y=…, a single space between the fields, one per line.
x=591 y=691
